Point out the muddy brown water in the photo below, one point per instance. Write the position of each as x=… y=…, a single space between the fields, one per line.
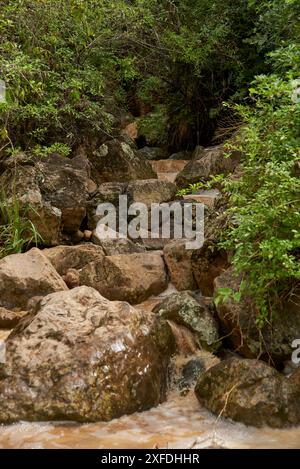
x=180 y=422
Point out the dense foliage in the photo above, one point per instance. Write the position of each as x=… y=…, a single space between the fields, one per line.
x=265 y=201
x=69 y=66
x=17 y=232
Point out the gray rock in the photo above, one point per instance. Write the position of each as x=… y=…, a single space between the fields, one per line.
x=108 y=192
x=116 y=161
x=150 y=192
x=209 y=163
x=191 y=372
x=117 y=245
x=151 y=153
x=182 y=155
x=63 y=183
x=183 y=309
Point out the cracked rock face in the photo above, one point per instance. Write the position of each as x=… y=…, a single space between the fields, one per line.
x=84 y=358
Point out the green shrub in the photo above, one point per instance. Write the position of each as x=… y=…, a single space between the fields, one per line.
x=69 y=64
x=60 y=70
x=17 y=232
x=265 y=202
x=217 y=181
x=154 y=127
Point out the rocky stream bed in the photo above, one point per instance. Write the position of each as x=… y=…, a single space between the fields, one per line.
x=101 y=350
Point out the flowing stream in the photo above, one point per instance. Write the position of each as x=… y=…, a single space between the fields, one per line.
x=180 y=422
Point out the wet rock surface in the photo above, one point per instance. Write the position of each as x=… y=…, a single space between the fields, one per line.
x=251 y=392
x=191 y=372
x=193 y=368
x=184 y=310
x=83 y=355
x=83 y=358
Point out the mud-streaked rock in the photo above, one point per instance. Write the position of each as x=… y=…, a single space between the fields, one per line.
x=84 y=358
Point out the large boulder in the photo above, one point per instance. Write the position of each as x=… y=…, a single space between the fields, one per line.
x=51 y=191
x=64 y=258
x=211 y=161
x=24 y=276
x=251 y=392
x=147 y=192
x=178 y=260
x=84 y=358
x=45 y=218
x=150 y=192
x=185 y=310
x=238 y=320
x=127 y=277
x=63 y=183
x=116 y=161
